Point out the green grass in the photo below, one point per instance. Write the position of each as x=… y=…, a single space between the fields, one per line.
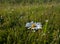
x=14 y=18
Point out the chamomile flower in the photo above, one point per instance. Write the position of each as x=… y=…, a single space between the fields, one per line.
x=33 y=25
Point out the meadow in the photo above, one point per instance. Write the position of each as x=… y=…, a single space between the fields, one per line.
x=13 y=18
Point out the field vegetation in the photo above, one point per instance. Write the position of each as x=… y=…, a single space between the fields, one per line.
x=14 y=14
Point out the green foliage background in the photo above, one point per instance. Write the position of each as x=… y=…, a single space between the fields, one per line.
x=15 y=13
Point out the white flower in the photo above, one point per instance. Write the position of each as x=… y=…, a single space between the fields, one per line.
x=34 y=26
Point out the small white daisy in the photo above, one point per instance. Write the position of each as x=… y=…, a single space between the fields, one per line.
x=33 y=25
